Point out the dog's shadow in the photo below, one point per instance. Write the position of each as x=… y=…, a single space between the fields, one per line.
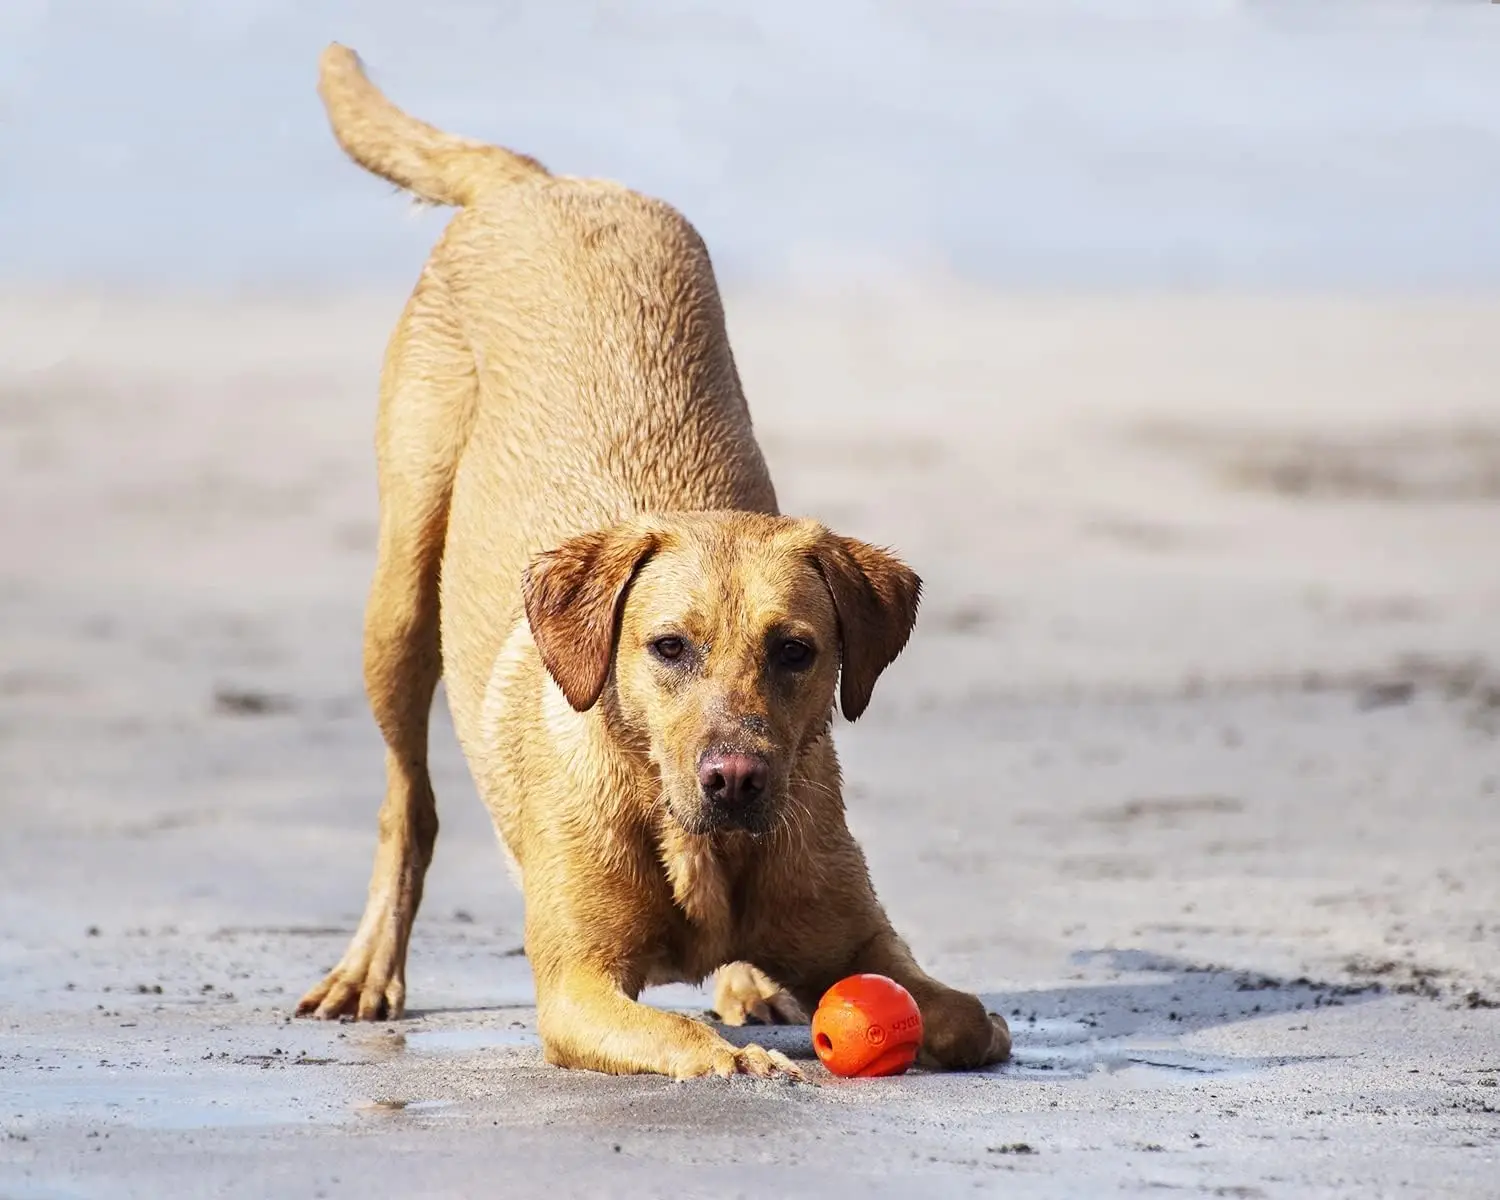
x=1070 y=1032
x=1073 y=1032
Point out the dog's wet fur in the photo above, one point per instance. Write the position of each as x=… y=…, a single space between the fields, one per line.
x=578 y=531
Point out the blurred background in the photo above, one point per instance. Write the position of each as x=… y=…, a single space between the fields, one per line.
x=1035 y=143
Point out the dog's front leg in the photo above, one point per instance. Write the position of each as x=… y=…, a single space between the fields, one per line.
x=587 y=1020
x=369 y=982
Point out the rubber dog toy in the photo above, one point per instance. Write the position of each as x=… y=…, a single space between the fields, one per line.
x=867 y=1025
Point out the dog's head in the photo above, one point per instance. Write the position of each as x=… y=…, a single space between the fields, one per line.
x=723 y=637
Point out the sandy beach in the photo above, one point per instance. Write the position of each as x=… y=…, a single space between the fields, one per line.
x=1192 y=767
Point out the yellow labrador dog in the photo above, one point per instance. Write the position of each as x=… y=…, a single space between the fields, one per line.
x=578 y=530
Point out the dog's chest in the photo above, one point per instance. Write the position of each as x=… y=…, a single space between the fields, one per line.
x=699 y=884
x=702 y=883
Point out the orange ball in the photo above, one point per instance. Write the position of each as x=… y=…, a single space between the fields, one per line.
x=867 y=1025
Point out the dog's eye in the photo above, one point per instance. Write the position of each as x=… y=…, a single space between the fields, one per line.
x=794 y=655
x=668 y=649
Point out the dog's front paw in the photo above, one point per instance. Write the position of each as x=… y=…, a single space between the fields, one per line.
x=999 y=1050
x=746 y=994
x=958 y=1034
x=726 y=1060
x=369 y=984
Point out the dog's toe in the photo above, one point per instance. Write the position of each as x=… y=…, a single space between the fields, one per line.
x=1000 y=1044
x=785 y=1010
x=766 y=1064
x=744 y=994
x=727 y=1061
x=365 y=996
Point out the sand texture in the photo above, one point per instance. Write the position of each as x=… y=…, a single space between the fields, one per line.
x=1191 y=768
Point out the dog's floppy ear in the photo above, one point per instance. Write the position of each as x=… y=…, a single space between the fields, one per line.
x=573 y=599
x=875 y=596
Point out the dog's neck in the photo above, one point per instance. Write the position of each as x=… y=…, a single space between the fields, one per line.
x=701 y=869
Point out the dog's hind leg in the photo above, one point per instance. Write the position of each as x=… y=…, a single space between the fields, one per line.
x=427 y=400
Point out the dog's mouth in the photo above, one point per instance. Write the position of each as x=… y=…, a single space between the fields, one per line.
x=700 y=818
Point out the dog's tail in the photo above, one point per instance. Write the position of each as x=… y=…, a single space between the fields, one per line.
x=435 y=166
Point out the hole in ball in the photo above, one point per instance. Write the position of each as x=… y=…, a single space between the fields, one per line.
x=824 y=1043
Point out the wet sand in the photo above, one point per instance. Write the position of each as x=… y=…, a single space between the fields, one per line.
x=1192 y=766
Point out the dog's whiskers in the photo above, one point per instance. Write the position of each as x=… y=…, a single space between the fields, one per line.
x=795 y=814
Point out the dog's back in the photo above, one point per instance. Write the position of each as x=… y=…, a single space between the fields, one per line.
x=585 y=320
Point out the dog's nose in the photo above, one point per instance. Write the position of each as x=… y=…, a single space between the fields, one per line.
x=732 y=779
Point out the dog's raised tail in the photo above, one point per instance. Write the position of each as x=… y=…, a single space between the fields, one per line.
x=433 y=165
